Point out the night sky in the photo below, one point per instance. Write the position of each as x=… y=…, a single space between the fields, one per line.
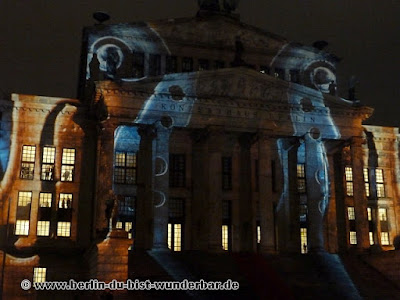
x=40 y=40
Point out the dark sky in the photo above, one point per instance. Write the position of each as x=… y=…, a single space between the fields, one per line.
x=40 y=40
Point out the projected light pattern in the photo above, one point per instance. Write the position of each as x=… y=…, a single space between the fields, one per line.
x=5 y=144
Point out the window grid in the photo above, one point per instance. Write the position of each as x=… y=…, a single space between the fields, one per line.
x=353 y=238
x=366 y=182
x=380 y=183
x=65 y=200
x=24 y=198
x=64 y=229
x=301 y=178
x=22 y=227
x=28 y=162
x=43 y=228
x=177 y=237
x=351 y=213
x=382 y=214
x=39 y=274
x=68 y=164
x=385 y=238
x=125 y=166
x=349 y=181
x=225 y=237
x=45 y=199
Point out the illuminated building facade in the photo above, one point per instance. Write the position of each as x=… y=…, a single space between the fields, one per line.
x=192 y=134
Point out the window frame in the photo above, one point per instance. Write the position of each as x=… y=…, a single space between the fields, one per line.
x=67 y=166
x=44 y=174
x=31 y=168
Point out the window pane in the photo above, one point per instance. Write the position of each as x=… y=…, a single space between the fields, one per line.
x=27 y=170
x=68 y=156
x=371 y=238
x=67 y=173
x=225 y=234
x=385 y=238
x=369 y=213
x=24 y=198
x=64 y=229
x=351 y=213
x=303 y=240
x=177 y=237
x=49 y=154
x=366 y=175
x=258 y=234
x=353 y=238
x=380 y=189
x=39 y=275
x=349 y=188
x=43 y=228
x=28 y=153
x=65 y=201
x=169 y=236
x=349 y=174
x=45 y=199
x=382 y=214
x=379 y=175
x=22 y=227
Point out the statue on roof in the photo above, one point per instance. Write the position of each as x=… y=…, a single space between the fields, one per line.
x=218 y=5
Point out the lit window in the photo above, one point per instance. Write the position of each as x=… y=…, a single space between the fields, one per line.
x=385 y=238
x=177 y=170
x=351 y=213
x=380 y=184
x=258 y=234
x=65 y=200
x=118 y=225
x=349 y=181
x=369 y=213
x=227 y=173
x=366 y=182
x=45 y=199
x=128 y=229
x=28 y=162
x=175 y=236
x=48 y=159
x=125 y=167
x=371 y=238
x=301 y=178
x=22 y=227
x=353 y=238
x=68 y=164
x=64 y=229
x=225 y=237
x=43 y=228
x=24 y=198
x=303 y=240
x=39 y=275
x=382 y=214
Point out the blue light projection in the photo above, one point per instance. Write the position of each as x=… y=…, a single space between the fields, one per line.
x=5 y=141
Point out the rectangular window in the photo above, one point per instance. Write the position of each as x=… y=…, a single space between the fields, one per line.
x=154 y=64
x=187 y=64
x=380 y=183
x=225 y=237
x=294 y=76
x=279 y=73
x=43 y=228
x=24 y=198
x=65 y=200
x=45 y=199
x=175 y=236
x=303 y=240
x=366 y=182
x=371 y=238
x=138 y=64
x=258 y=234
x=203 y=64
x=21 y=227
x=68 y=164
x=349 y=181
x=301 y=178
x=353 y=238
x=382 y=214
x=39 y=274
x=369 y=213
x=219 y=64
x=351 y=213
x=177 y=170
x=48 y=160
x=125 y=167
x=385 y=238
x=64 y=229
x=171 y=64
x=227 y=173
x=28 y=162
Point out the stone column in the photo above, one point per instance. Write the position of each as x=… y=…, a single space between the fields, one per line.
x=145 y=182
x=267 y=242
x=360 y=202
x=288 y=207
x=247 y=207
x=317 y=189
x=161 y=187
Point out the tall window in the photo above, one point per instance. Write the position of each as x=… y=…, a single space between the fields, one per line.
x=371 y=227
x=366 y=182
x=171 y=64
x=23 y=213
x=176 y=216
x=349 y=181
x=39 y=274
x=225 y=237
x=187 y=64
x=154 y=64
x=258 y=234
x=227 y=173
x=351 y=213
x=303 y=240
x=27 y=162
x=48 y=159
x=383 y=218
x=68 y=164
x=138 y=64
x=301 y=178
x=226 y=225
x=64 y=215
x=44 y=214
x=380 y=183
x=352 y=223
x=125 y=167
x=177 y=170
x=353 y=238
x=64 y=229
x=126 y=215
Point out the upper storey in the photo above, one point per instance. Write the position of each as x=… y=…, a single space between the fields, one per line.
x=211 y=40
